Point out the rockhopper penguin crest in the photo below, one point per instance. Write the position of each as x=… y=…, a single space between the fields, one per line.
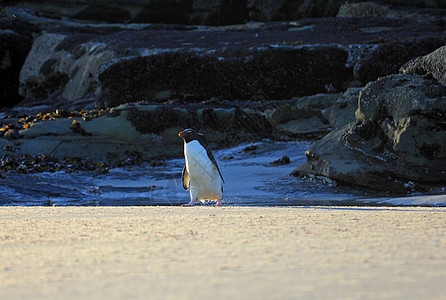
x=201 y=175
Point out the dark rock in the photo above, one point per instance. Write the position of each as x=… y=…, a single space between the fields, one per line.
x=397 y=143
x=154 y=121
x=165 y=11
x=15 y=43
x=284 y=160
x=103 y=12
x=418 y=3
x=250 y=148
x=281 y=10
x=387 y=58
x=206 y=12
x=281 y=74
x=360 y=9
x=220 y=12
x=76 y=127
x=432 y=64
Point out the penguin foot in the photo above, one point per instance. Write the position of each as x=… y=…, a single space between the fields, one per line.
x=218 y=202
x=191 y=203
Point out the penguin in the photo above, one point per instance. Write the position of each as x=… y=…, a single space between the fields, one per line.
x=201 y=174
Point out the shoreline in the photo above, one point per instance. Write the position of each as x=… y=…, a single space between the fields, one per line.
x=229 y=252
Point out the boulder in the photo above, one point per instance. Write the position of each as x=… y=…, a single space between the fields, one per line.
x=397 y=144
x=342 y=112
x=432 y=64
x=303 y=117
x=387 y=58
x=51 y=72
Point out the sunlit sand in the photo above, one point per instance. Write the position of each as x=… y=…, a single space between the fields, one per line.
x=222 y=253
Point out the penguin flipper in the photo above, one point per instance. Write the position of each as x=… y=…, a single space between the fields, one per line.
x=212 y=158
x=185 y=179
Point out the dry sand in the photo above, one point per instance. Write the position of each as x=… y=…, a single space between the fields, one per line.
x=229 y=252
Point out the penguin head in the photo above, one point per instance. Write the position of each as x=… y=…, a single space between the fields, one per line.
x=191 y=135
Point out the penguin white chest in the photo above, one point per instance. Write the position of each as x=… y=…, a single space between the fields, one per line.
x=205 y=181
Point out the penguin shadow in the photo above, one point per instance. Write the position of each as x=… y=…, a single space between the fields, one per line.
x=173 y=192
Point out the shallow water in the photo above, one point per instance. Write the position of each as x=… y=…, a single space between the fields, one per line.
x=250 y=180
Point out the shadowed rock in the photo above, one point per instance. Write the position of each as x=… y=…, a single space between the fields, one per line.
x=387 y=58
x=397 y=143
x=15 y=43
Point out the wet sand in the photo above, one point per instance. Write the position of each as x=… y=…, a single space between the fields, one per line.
x=222 y=253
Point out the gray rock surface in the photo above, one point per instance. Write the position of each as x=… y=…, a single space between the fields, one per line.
x=432 y=64
x=397 y=144
x=303 y=117
x=342 y=112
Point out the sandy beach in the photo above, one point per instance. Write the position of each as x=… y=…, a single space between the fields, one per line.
x=222 y=253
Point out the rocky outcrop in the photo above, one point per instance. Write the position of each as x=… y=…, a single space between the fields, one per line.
x=75 y=61
x=149 y=131
x=111 y=136
x=397 y=144
x=431 y=65
x=387 y=58
x=281 y=80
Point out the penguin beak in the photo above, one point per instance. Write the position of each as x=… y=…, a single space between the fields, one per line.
x=181 y=134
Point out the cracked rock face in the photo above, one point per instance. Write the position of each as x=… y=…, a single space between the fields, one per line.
x=50 y=72
x=397 y=143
